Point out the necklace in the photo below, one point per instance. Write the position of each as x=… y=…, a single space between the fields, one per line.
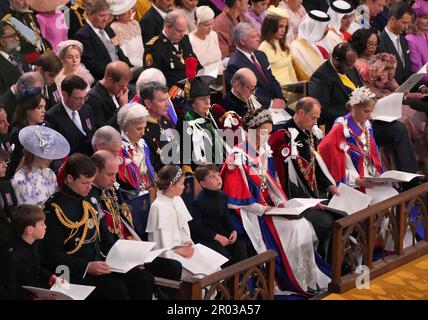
x=365 y=148
x=309 y=171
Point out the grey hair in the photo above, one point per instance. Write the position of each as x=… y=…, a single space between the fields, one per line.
x=172 y=17
x=149 y=75
x=241 y=32
x=124 y=121
x=30 y=80
x=150 y=89
x=105 y=135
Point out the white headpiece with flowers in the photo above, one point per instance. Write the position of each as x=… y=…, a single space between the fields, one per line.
x=361 y=95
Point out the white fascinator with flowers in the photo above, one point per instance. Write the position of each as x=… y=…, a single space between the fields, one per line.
x=361 y=95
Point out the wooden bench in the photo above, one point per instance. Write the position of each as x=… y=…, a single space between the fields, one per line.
x=360 y=233
x=231 y=283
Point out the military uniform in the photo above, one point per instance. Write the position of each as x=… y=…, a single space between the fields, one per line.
x=161 y=53
x=28 y=31
x=77 y=19
x=116 y=214
x=73 y=239
x=155 y=128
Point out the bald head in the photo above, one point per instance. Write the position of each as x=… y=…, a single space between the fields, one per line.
x=108 y=167
x=244 y=83
x=29 y=80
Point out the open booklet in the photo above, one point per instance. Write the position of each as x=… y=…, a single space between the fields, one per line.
x=203 y=262
x=413 y=80
x=389 y=108
x=350 y=200
x=279 y=115
x=61 y=291
x=294 y=207
x=210 y=70
x=394 y=176
x=127 y=254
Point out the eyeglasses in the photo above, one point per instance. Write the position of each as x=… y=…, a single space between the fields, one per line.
x=251 y=88
x=371 y=44
x=84 y=99
x=13 y=35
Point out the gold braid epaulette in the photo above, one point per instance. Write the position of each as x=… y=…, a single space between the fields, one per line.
x=75 y=7
x=74 y=226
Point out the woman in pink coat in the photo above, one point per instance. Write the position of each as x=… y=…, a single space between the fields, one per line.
x=417 y=38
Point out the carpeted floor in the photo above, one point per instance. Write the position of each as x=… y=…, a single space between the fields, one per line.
x=409 y=282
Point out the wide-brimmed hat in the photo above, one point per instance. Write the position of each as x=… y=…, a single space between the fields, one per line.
x=46 y=5
x=118 y=7
x=44 y=142
x=272 y=11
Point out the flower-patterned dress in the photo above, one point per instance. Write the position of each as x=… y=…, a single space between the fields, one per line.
x=34 y=187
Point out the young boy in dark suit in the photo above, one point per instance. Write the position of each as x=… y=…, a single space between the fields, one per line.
x=211 y=224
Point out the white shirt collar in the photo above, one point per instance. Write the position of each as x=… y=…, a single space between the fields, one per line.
x=392 y=36
x=248 y=55
x=5 y=55
x=162 y=13
x=97 y=30
x=69 y=111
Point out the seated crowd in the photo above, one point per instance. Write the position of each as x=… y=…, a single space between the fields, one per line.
x=159 y=122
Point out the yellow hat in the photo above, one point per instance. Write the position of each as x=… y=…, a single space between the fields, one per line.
x=277 y=12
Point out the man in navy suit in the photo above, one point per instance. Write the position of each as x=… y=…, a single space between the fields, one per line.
x=152 y=22
x=72 y=117
x=99 y=40
x=399 y=18
x=392 y=41
x=267 y=90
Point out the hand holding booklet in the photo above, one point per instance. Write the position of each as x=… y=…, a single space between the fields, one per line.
x=61 y=291
x=127 y=254
x=394 y=176
x=413 y=80
x=203 y=262
x=294 y=207
x=349 y=201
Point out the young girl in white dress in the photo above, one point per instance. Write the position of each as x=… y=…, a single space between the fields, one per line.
x=167 y=224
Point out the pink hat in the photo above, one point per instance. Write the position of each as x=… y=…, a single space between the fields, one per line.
x=420 y=8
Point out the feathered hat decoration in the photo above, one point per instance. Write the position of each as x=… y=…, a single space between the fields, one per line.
x=361 y=95
x=191 y=67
